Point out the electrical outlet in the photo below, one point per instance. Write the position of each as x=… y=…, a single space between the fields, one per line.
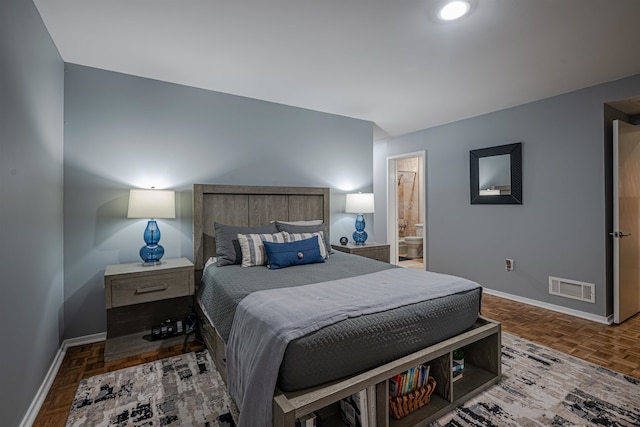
x=508 y=264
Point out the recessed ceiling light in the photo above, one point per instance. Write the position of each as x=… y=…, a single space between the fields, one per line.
x=454 y=10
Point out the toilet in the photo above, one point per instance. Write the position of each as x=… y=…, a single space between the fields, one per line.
x=402 y=247
x=414 y=243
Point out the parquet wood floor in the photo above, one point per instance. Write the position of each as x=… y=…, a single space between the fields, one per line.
x=616 y=347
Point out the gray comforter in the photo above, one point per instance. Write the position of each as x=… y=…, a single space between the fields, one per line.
x=224 y=287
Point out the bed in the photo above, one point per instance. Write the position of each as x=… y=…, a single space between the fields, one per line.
x=351 y=346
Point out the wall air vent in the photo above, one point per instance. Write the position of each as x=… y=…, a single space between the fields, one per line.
x=572 y=289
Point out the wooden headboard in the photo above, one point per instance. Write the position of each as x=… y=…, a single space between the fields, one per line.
x=249 y=206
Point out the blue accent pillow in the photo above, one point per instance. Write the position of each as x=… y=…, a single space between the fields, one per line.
x=281 y=255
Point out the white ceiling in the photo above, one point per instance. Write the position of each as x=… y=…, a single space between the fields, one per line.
x=390 y=62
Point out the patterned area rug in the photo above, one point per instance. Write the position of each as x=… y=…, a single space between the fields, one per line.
x=183 y=390
x=544 y=387
x=540 y=387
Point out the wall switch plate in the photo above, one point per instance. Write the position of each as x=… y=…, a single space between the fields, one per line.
x=508 y=264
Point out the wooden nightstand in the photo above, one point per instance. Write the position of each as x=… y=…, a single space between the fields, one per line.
x=138 y=297
x=378 y=251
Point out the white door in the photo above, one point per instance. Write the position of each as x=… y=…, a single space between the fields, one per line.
x=626 y=220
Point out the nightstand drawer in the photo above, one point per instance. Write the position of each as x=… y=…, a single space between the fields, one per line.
x=156 y=287
x=380 y=254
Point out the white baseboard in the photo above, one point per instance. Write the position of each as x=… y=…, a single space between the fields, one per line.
x=38 y=400
x=576 y=313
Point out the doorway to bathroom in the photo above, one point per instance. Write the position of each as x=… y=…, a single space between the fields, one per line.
x=407 y=228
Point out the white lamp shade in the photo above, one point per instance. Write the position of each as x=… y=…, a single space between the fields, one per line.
x=152 y=204
x=359 y=203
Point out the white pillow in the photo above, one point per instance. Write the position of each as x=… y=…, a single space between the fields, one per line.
x=294 y=237
x=253 y=250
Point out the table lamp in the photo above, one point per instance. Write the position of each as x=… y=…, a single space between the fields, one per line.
x=360 y=204
x=151 y=204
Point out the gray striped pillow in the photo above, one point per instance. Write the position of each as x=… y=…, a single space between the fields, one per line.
x=294 y=237
x=253 y=250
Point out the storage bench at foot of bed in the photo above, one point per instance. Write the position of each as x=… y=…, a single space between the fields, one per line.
x=482 y=368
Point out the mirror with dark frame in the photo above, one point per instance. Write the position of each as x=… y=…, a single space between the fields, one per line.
x=496 y=175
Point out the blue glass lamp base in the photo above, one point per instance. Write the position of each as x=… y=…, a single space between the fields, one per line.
x=359 y=236
x=152 y=252
x=151 y=255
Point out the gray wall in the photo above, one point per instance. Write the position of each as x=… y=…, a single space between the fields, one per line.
x=560 y=228
x=125 y=132
x=31 y=263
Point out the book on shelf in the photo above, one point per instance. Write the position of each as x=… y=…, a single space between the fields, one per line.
x=458 y=358
x=309 y=420
x=354 y=410
x=457 y=375
x=409 y=381
x=458 y=365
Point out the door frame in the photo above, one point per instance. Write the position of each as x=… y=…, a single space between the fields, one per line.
x=392 y=204
x=616 y=255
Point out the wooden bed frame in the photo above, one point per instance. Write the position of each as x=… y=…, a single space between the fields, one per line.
x=257 y=205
